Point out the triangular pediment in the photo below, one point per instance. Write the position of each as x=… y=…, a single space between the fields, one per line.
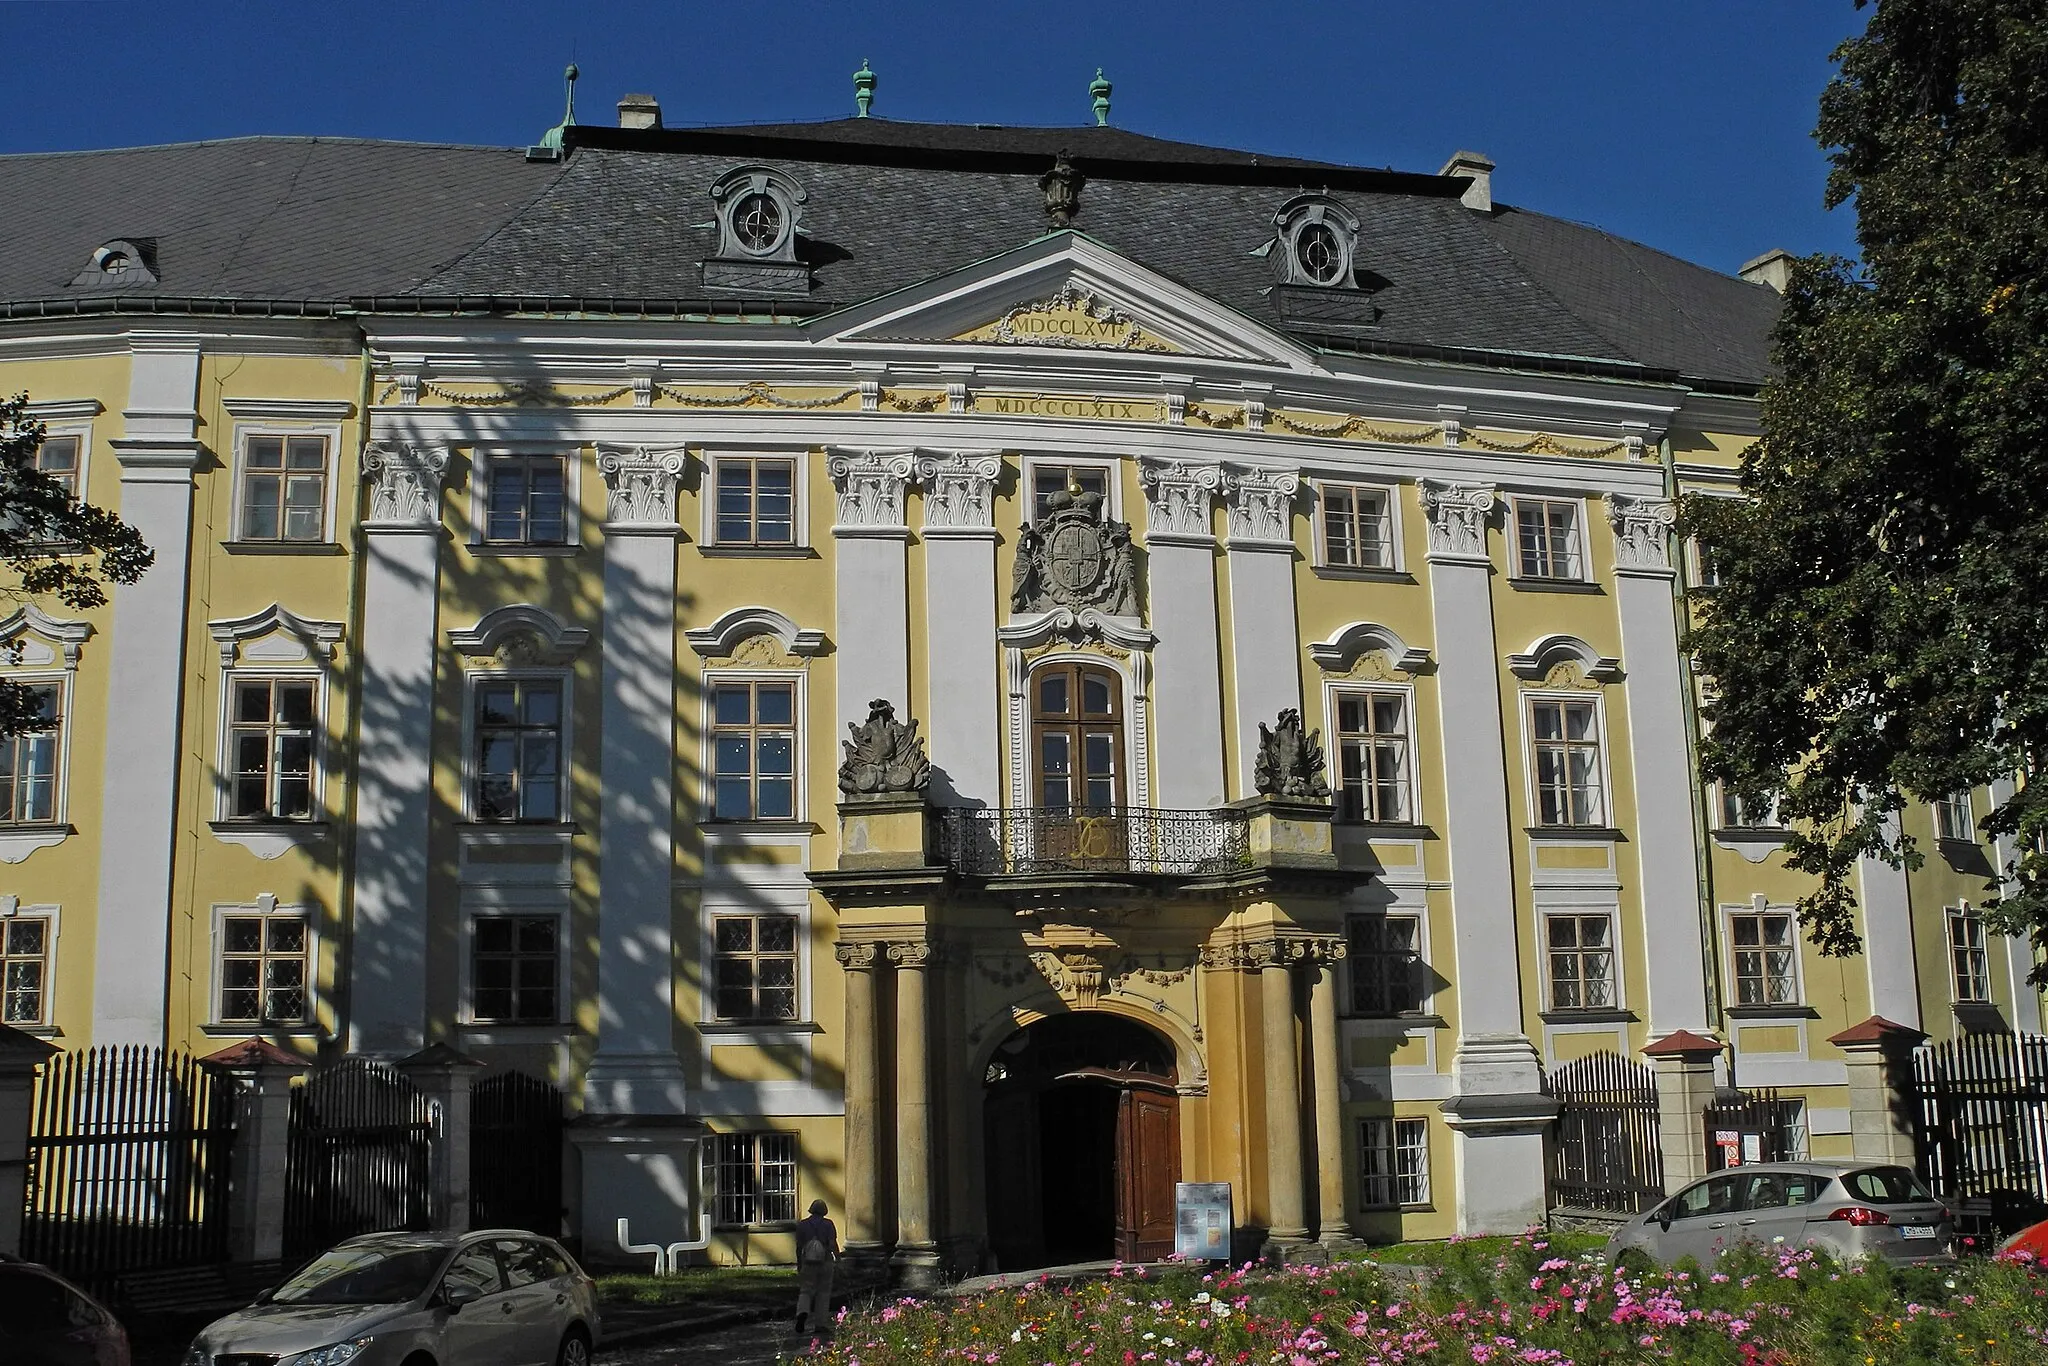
x=1064 y=292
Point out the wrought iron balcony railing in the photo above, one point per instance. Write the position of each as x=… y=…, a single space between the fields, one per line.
x=1123 y=839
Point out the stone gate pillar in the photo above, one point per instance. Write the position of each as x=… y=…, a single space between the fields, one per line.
x=263 y=1074
x=444 y=1076
x=1683 y=1064
x=20 y=1055
x=1880 y=1061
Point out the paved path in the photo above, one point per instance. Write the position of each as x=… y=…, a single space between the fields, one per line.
x=746 y=1344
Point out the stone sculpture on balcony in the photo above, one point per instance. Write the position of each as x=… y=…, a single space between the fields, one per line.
x=885 y=757
x=1290 y=762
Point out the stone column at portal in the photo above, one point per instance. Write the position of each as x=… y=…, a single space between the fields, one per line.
x=1666 y=836
x=963 y=704
x=401 y=586
x=1286 y=1181
x=1265 y=647
x=871 y=640
x=1181 y=587
x=863 y=1121
x=1326 y=1072
x=145 y=668
x=915 y=1258
x=635 y=1069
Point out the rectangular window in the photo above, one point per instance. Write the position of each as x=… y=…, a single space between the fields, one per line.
x=270 y=749
x=284 y=488
x=1955 y=819
x=1567 y=744
x=1736 y=815
x=514 y=970
x=1970 y=968
x=756 y=502
x=1706 y=566
x=263 y=977
x=1357 y=527
x=1393 y=1161
x=24 y=970
x=1385 y=958
x=1766 y=957
x=28 y=766
x=1046 y=480
x=518 y=749
x=1547 y=539
x=1372 y=757
x=526 y=500
x=1580 y=949
x=751 y=1179
x=58 y=457
x=755 y=966
x=753 y=751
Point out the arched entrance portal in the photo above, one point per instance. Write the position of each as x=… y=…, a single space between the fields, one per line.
x=1083 y=1142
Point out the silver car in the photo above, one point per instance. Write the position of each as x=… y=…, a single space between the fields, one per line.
x=499 y=1297
x=1851 y=1210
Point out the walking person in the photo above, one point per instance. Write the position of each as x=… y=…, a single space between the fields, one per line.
x=817 y=1252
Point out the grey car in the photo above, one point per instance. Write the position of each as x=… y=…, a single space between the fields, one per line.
x=1851 y=1210
x=500 y=1297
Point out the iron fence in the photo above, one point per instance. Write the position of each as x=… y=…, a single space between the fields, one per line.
x=1605 y=1153
x=360 y=1156
x=515 y=1154
x=1980 y=1110
x=1753 y=1126
x=1124 y=839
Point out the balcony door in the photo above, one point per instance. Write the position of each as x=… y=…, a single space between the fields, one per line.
x=1077 y=738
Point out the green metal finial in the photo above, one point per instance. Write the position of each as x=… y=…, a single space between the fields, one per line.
x=863 y=89
x=552 y=139
x=1098 y=92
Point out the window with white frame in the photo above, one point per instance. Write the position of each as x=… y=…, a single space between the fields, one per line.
x=753 y=750
x=1737 y=814
x=1384 y=957
x=1357 y=526
x=750 y=1179
x=264 y=968
x=1763 y=942
x=526 y=500
x=1955 y=819
x=755 y=501
x=1565 y=741
x=1969 y=964
x=1372 y=756
x=518 y=739
x=62 y=458
x=754 y=965
x=28 y=763
x=284 y=488
x=1049 y=478
x=1547 y=539
x=271 y=735
x=1706 y=566
x=515 y=969
x=1393 y=1163
x=1579 y=957
x=25 y=945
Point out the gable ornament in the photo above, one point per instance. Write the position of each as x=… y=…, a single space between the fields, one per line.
x=1075 y=558
x=1290 y=761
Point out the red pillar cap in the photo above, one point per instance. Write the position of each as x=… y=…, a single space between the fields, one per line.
x=255 y=1053
x=1875 y=1030
x=1683 y=1043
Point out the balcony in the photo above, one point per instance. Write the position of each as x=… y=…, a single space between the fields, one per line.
x=1115 y=841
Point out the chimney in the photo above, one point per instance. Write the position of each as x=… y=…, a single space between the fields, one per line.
x=1478 y=173
x=639 y=111
x=1773 y=268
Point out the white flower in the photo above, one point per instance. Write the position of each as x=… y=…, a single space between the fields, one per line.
x=1202 y=1298
x=1016 y=1335
x=1222 y=1311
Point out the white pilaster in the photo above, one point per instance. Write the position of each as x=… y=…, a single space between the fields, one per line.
x=1265 y=647
x=1888 y=937
x=394 y=775
x=872 y=636
x=145 y=668
x=2019 y=954
x=1666 y=842
x=963 y=706
x=1181 y=585
x=636 y=1069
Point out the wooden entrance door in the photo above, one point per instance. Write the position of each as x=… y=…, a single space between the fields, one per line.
x=1148 y=1168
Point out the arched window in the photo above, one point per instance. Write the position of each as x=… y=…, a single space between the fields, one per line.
x=1077 y=737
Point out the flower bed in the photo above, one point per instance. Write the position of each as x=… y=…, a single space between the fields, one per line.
x=1512 y=1303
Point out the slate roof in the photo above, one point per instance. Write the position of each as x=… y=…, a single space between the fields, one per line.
x=624 y=222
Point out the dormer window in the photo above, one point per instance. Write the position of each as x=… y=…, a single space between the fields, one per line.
x=758 y=212
x=1316 y=239
x=119 y=264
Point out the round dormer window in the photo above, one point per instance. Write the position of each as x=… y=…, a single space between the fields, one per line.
x=1319 y=254
x=758 y=223
x=114 y=262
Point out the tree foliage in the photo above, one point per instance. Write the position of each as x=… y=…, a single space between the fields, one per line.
x=54 y=545
x=1881 y=629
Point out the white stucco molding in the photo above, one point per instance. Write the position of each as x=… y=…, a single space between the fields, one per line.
x=69 y=636
x=65 y=409
x=870 y=485
x=959 y=492
x=1261 y=506
x=1457 y=520
x=290 y=409
x=1178 y=496
x=1088 y=624
x=311 y=639
x=640 y=487
x=1343 y=648
x=1547 y=652
x=524 y=633
x=405 y=485
x=723 y=636
x=1642 y=534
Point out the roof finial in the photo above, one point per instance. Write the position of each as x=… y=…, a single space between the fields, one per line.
x=1062 y=187
x=863 y=89
x=569 y=75
x=1098 y=92
x=550 y=146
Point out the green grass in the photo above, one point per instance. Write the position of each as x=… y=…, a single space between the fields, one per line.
x=697 y=1284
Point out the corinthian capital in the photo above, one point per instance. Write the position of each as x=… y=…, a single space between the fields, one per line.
x=640 y=484
x=1177 y=495
x=959 y=488
x=1261 y=502
x=1457 y=518
x=870 y=485
x=405 y=482
x=1640 y=527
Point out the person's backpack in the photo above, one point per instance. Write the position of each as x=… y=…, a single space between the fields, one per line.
x=814 y=1252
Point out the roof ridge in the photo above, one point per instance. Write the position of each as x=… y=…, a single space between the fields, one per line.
x=335 y=139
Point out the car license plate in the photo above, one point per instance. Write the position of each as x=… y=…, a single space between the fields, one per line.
x=1916 y=1230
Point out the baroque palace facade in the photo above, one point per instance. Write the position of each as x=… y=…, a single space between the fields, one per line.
x=530 y=526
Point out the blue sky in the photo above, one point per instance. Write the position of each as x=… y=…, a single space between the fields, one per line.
x=1683 y=125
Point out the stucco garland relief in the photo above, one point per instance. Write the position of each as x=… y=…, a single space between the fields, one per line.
x=1570 y=674
x=1373 y=666
x=762 y=651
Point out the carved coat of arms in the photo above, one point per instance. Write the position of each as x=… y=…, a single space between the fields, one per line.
x=1075 y=557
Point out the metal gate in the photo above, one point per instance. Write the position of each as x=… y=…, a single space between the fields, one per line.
x=128 y=1152
x=515 y=1154
x=361 y=1156
x=1763 y=1126
x=1981 y=1112
x=1604 y=1155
